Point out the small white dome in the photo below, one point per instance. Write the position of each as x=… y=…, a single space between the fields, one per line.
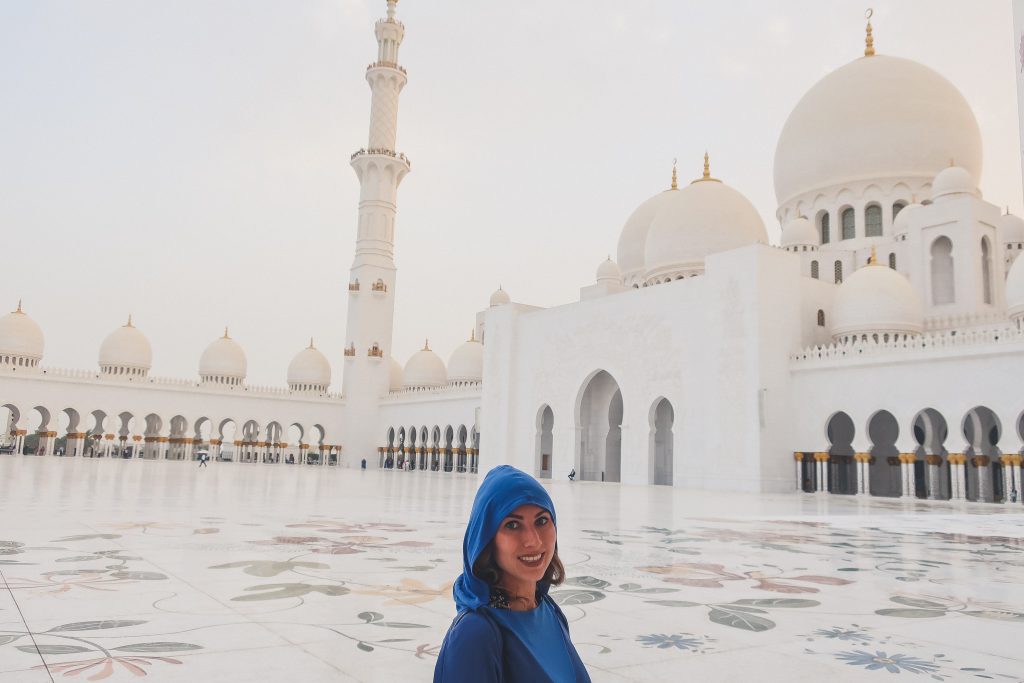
x=424 y=370
x=875 y=118
x=1010 y=229
x=704 y=218
x=126 y=347
x=799 y=232
x=20 y=336
x=876 y=299
x=396 y=375
x=224 y=357
x=953 y=180
x=1015 y=290
x=633 y=237
x=609 y=271
x=466 y=363
x=500 y=297
x=901 y=224
x=309 y=367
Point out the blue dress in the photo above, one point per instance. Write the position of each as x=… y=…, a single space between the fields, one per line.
x=487 y=642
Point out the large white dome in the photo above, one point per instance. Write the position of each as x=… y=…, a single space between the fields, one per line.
x=20 y=336
x=127 y=348
x=703 y=218
x=223 y=358
x=309 y=368
x=466 y=363
x=799 y=232
x=1010 y=229
x=500 y=297
x=424 y=370
x=901 y=224
x=1015 y=290
x=878 y=117
x=876 y=300
x=630 y=254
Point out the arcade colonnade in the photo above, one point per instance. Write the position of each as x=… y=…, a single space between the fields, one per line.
x=970 y=455
x=449 y=449
x=137 y=434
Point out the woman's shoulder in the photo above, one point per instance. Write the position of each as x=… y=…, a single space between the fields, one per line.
x=472 y=651
x=474 y=628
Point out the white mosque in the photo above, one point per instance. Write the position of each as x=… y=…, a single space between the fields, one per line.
x=877 y=350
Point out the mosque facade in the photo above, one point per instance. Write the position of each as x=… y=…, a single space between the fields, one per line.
x=876 y=350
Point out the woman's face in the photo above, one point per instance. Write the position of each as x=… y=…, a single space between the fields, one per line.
x=523 y=548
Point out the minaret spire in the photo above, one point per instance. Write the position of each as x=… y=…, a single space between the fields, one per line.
x=869 y=39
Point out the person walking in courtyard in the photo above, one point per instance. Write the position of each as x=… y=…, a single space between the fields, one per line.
x=203 y=457
x=508 y=629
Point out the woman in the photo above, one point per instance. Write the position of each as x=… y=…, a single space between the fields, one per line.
x=508 y=628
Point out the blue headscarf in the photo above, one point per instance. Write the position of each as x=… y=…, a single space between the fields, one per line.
x=503 y=490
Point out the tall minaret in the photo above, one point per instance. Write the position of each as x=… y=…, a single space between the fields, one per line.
x=380 y=169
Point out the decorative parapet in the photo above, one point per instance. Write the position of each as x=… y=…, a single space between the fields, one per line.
x=388 y=65
x=95 y=377
x=382 y=151
x=929 y=344
x=414 y=393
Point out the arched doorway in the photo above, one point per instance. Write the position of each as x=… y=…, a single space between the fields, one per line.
x=984 y=471
x=842 y=466
x=661 y=419
x=883 y=430
x=931 y=469
x=599 y=425
x=545 y=442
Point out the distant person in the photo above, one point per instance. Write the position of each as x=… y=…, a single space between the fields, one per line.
x=363 y=464
x=572 y=474
x=508 y=629
x=203 y=458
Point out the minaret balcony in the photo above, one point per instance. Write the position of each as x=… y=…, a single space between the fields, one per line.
x=379 y=288
x=375 y=353
x=350 y=351
x=380 y=151
x=353 y=287
x=387 y=65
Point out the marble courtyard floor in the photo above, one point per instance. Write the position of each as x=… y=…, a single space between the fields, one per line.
x=114 y=570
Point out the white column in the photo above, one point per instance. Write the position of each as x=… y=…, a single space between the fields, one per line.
x=957 y=478
x=984 y=479
x=1015 y=468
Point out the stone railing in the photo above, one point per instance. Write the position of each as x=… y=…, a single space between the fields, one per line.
x=925 y=344
x=959 y=322
x=383 y=151
x=122 y=380
x=389 y=65
x=412 y=393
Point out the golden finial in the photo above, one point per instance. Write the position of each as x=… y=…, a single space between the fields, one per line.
x=869 y=39
x=472 y=334
x=952 y=162
x=675 y=178
x=426 y=344
x=873 y=261
x=226 y=332
x=707 y=171
x=19 y=307
x=129 y=323
x=311 y=343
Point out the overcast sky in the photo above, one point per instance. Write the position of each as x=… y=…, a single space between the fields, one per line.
x=187 y=160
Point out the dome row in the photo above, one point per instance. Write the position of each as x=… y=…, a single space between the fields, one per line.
x=126 y=352
x=672 y=233
x=426 y=370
